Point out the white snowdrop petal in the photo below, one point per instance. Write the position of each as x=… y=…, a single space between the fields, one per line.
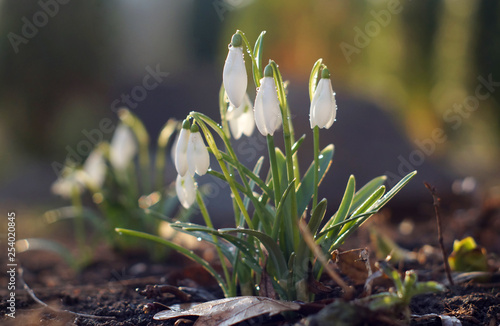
x=233 y=113
x=269 y=104
x=260 y=119
x=202 y=156
x=235 y=127
x=181 y=160
x=246 y=123
x=186 y=190
x=198 y=159
x=234 y=76
x=95 y=168
x=323 y=106
x=333 y=113
x=123 y=147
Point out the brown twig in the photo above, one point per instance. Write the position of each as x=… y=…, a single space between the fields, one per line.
x=308 y=238
x=440 y=232
x=155 y=291
x=34 y=297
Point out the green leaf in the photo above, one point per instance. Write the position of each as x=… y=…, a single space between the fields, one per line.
x=186 y=252
x=257 y=53
x=317 y=216
x=334 y=226
x=344 y=207
x=403 y=182
x=313 y=79
x=347 y=229
x=256 y=171
x=207 y=233
x=305 y=190
x=297 y=144
x=272 y=247
x=362 y=195
x=279 y=211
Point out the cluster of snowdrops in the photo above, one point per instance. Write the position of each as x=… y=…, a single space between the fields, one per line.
x=282 y=231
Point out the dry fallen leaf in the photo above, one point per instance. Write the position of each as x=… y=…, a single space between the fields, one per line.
x=354 y=264
x=230 y=311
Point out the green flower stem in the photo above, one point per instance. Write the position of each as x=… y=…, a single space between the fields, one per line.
x=225 y=129
x=143 y=139
x=243 y=171
x=316 y=167
x=288 y=150
x=223 y=110
x=230 y=179
x=247 y=172
x=274 y=170
x=79 y=224
x=257 y=73
x=208 y=222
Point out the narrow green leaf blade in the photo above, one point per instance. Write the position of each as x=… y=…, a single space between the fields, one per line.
x=306 y=188
x=403 y=182
x=344 y=207
x=272 y=247
x=362 y=194
x=317 y=216
x=186 y=252
x=313 y=79
x=257 y=53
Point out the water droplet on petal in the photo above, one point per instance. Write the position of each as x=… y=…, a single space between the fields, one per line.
x=198 y=239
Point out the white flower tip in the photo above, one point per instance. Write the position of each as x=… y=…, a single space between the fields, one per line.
x=234 y=76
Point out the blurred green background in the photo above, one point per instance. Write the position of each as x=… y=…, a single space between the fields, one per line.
x=66 y=65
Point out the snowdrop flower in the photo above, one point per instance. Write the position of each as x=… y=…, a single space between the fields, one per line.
x=123 y=147
x=241 y=120
x=95 y=168
x=181 y=162
x=186 y=190
x=234 y=75
x=323 y=105
x=267 y=107
x=71 y=180
x=197 y=154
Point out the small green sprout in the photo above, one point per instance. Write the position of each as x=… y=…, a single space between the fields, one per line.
x=467 y=256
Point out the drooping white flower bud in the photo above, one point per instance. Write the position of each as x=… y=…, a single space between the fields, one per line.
x=95 y=168
x=323 y=105
x=71 y=180
x=267 y=107
x=123 y=147
x=186 y=190
x=197 y=154
x=234 y=76
x=181 y=162
x=241 y=119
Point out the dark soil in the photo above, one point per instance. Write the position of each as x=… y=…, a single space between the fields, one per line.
x=109 y=286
